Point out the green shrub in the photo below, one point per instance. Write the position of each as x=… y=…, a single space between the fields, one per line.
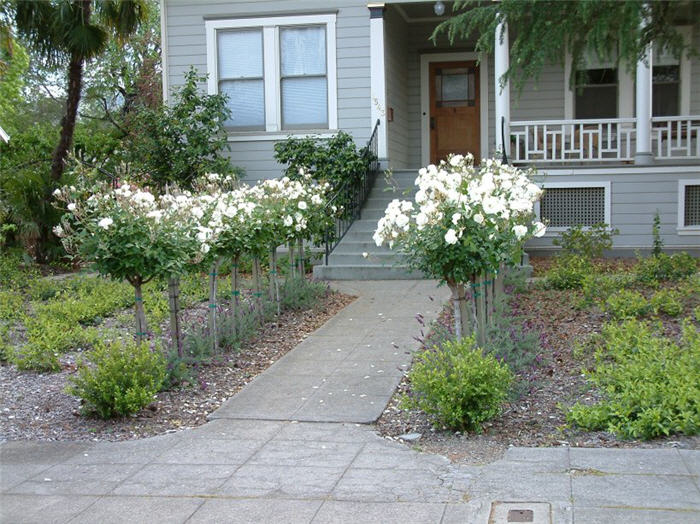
x=120 y=379
x=626 y=304
x=650 y=383
x=11 y=305
x=458 y=385
x=588 y=243
x=657 y=244
x=663 y=267
x=568 y=272
x=667 y=301
x=298 y=294
x=597 y=287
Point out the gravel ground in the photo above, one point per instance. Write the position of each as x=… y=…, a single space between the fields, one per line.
x=34 y=406
x=535 y=418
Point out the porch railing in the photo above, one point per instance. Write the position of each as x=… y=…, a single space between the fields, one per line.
x=560 y=141
x=675 y=137
x=602 y=140
x=351 y=196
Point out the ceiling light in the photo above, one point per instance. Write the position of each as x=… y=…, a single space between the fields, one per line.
x=439 y=8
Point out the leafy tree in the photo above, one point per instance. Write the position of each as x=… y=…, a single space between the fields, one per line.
x=542 y=31
x=69 y=33
x=180 y=142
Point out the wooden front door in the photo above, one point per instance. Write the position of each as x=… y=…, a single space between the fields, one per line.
x=454 y=109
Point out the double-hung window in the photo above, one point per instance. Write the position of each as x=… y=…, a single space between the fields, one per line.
x=278 y=72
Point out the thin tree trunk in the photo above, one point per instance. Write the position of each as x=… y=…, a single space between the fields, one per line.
x=274 y=280
x=257 y=282
x=302 y=272
x=462 y=325
x=235 y=296
x=174 y=306
x=292 y=262
x=498 y=288
x=213 y=285
x=481 y=309
x=141 y=327
x=271 y=275
x=75 y=82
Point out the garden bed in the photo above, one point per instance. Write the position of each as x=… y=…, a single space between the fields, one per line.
x=35 y=405
x=538 y=416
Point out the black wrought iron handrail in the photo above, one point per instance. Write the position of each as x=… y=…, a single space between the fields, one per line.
x=351 y=196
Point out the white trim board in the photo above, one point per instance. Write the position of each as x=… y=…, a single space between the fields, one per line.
x=681 y=228
x=607 y=212
x=425 y=60
x=270 y=28
x=4 y=136
x=579 y=171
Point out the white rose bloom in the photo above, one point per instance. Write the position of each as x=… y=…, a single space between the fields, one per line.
x=456 y=160
x=302 y=205
x=378 y=238
x=479 y=218
x=105 y=223
x=58 y=231
x=540 y=229
x=401 y=220
x=520 y=231
x=421 y=219
x=288 y=221
x=406 y=206
x=451 y=236
x=57 y=192
x=316 y=200
x=71 y=206
x=456 y=217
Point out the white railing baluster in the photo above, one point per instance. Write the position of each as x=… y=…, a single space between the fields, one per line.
x=601 y=140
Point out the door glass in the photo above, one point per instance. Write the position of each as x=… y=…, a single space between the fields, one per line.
x=455 y=87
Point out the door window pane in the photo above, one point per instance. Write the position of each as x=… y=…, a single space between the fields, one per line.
x=304 y=102
x=455 y=87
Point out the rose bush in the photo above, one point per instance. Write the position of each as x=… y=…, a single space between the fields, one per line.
x=466 y=221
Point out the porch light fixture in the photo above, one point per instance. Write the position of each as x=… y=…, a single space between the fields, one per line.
x=439 y=8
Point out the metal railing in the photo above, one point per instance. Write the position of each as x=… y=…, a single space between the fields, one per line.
x=590 y=140
x=675 y=137
x=351 y=196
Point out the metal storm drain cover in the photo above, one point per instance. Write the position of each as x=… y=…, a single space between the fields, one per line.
x=533 y=512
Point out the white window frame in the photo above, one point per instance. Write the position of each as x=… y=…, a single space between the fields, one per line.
x=270 y=27
x=607 y=205
x=681 y=228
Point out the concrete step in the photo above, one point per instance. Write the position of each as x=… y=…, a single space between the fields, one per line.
x=373 y=259
x=360 y=246
x=367 y=272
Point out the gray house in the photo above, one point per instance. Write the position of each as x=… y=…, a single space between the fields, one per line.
x=616 y=149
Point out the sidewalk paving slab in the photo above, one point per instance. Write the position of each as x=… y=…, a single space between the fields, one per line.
x=295 y=445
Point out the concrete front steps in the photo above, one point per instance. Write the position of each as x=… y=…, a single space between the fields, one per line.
x=348 y=260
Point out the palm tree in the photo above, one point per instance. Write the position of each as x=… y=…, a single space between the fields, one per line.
x=72 y=32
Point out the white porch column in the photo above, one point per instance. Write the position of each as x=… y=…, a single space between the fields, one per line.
x=643 y=97
x=501 y=64
x=377 y=77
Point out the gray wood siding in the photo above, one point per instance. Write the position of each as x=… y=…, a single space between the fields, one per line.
x=636 y=194
x=397 y=99
x=186 y=47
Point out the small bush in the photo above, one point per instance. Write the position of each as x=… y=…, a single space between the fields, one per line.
x=626 y=304
x=568 y=272
x=120 y=379
x=34 y=357
x=599 y=287
x=667 y=301
x=696 y=313
x=298 y=294
x=588 y=243
x=650 y=383
x=666 y=267
x=458 y=385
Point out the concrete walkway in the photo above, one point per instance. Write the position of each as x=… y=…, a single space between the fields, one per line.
x=291 y=448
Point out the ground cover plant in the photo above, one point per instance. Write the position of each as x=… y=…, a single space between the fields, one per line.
x=613 y=363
